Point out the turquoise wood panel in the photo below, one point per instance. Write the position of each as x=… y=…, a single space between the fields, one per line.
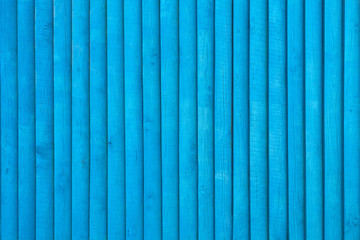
x=179 y=119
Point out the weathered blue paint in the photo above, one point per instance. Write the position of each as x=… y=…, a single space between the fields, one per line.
x=9 y=121
x=44 y=123
x=169 y=119
x=258 y=119
x=296 y=118
x=62 y=119
x=151 y=118
x=133 y=121
x=98 y=121
x=205 y=118
x=116 y=118
x=187 y=121
x=80 y=127
x=333 y=119
x=278 y=202
x=314 y=119
x=26 y=119
x=351 y=142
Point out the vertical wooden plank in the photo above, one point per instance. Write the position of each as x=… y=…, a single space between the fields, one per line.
x=333 y=119
x=26 y=118
x=62 y=119
x=223 y=120
x=9 y=120
x=152 y=118
x=98 y=120
x=44 y=92
x=258 y=97
x=351 y=120
x=205 y=117
x=80 y=119
x=241 y=205
x=278 y=227
x=296 y=118
x=116 y=120
x=187 y=121
x=133 y=120
x=169 y=38
x=314 y=118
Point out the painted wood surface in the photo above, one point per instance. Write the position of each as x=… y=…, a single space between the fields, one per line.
x=179 y=119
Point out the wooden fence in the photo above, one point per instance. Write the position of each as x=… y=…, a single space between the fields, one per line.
x=180 y=119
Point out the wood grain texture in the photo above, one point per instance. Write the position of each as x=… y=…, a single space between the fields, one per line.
x=278 y=202
x=9 y=121
x=205 y=117
x=169 y=42
x=26 y=119
x=116 y=221
x=314 y=112
x=44 y=100
x=258 y=119
x=223 y=120
x=351 y=120
x=241 y=193
x=80 y=117
x=296 y=118
x=169 y=119
x=333 y=119
x=98 y=121
x=151 y=118
x=62 y=119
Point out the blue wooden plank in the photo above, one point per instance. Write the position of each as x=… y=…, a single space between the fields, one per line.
x=258 y=96
x=62 y=119
x=152 y=118
x=116 y=120
x=351 y=120
x=187 y=121
x=296 y=118
x=333 y=119
x=205 y=118
x=241 y=197
x=314 y=118
x=98 y=121
x=80 y=119
x=278 y=202
x=9 y=120
x=169 y=41
x=44 y=86
x=26 y=118
x=223 y=120
x=133 y=121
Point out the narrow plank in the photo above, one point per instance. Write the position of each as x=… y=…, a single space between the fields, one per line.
x=80 y=119
x=62 y=119
x=205 y=117
x=26 y=119
x=9 y=120
x=169 y=40
x=333 y=120
x=116 y=120
x=187 y=121
x=133 y=121
x=258 y=96
x=314 y=118
x=278 y=202
x=98 y=121
x=351 y=120
x=223 y=120
x=296 y=118
x=241 y=197
x=44 y=100
x=152 y=118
